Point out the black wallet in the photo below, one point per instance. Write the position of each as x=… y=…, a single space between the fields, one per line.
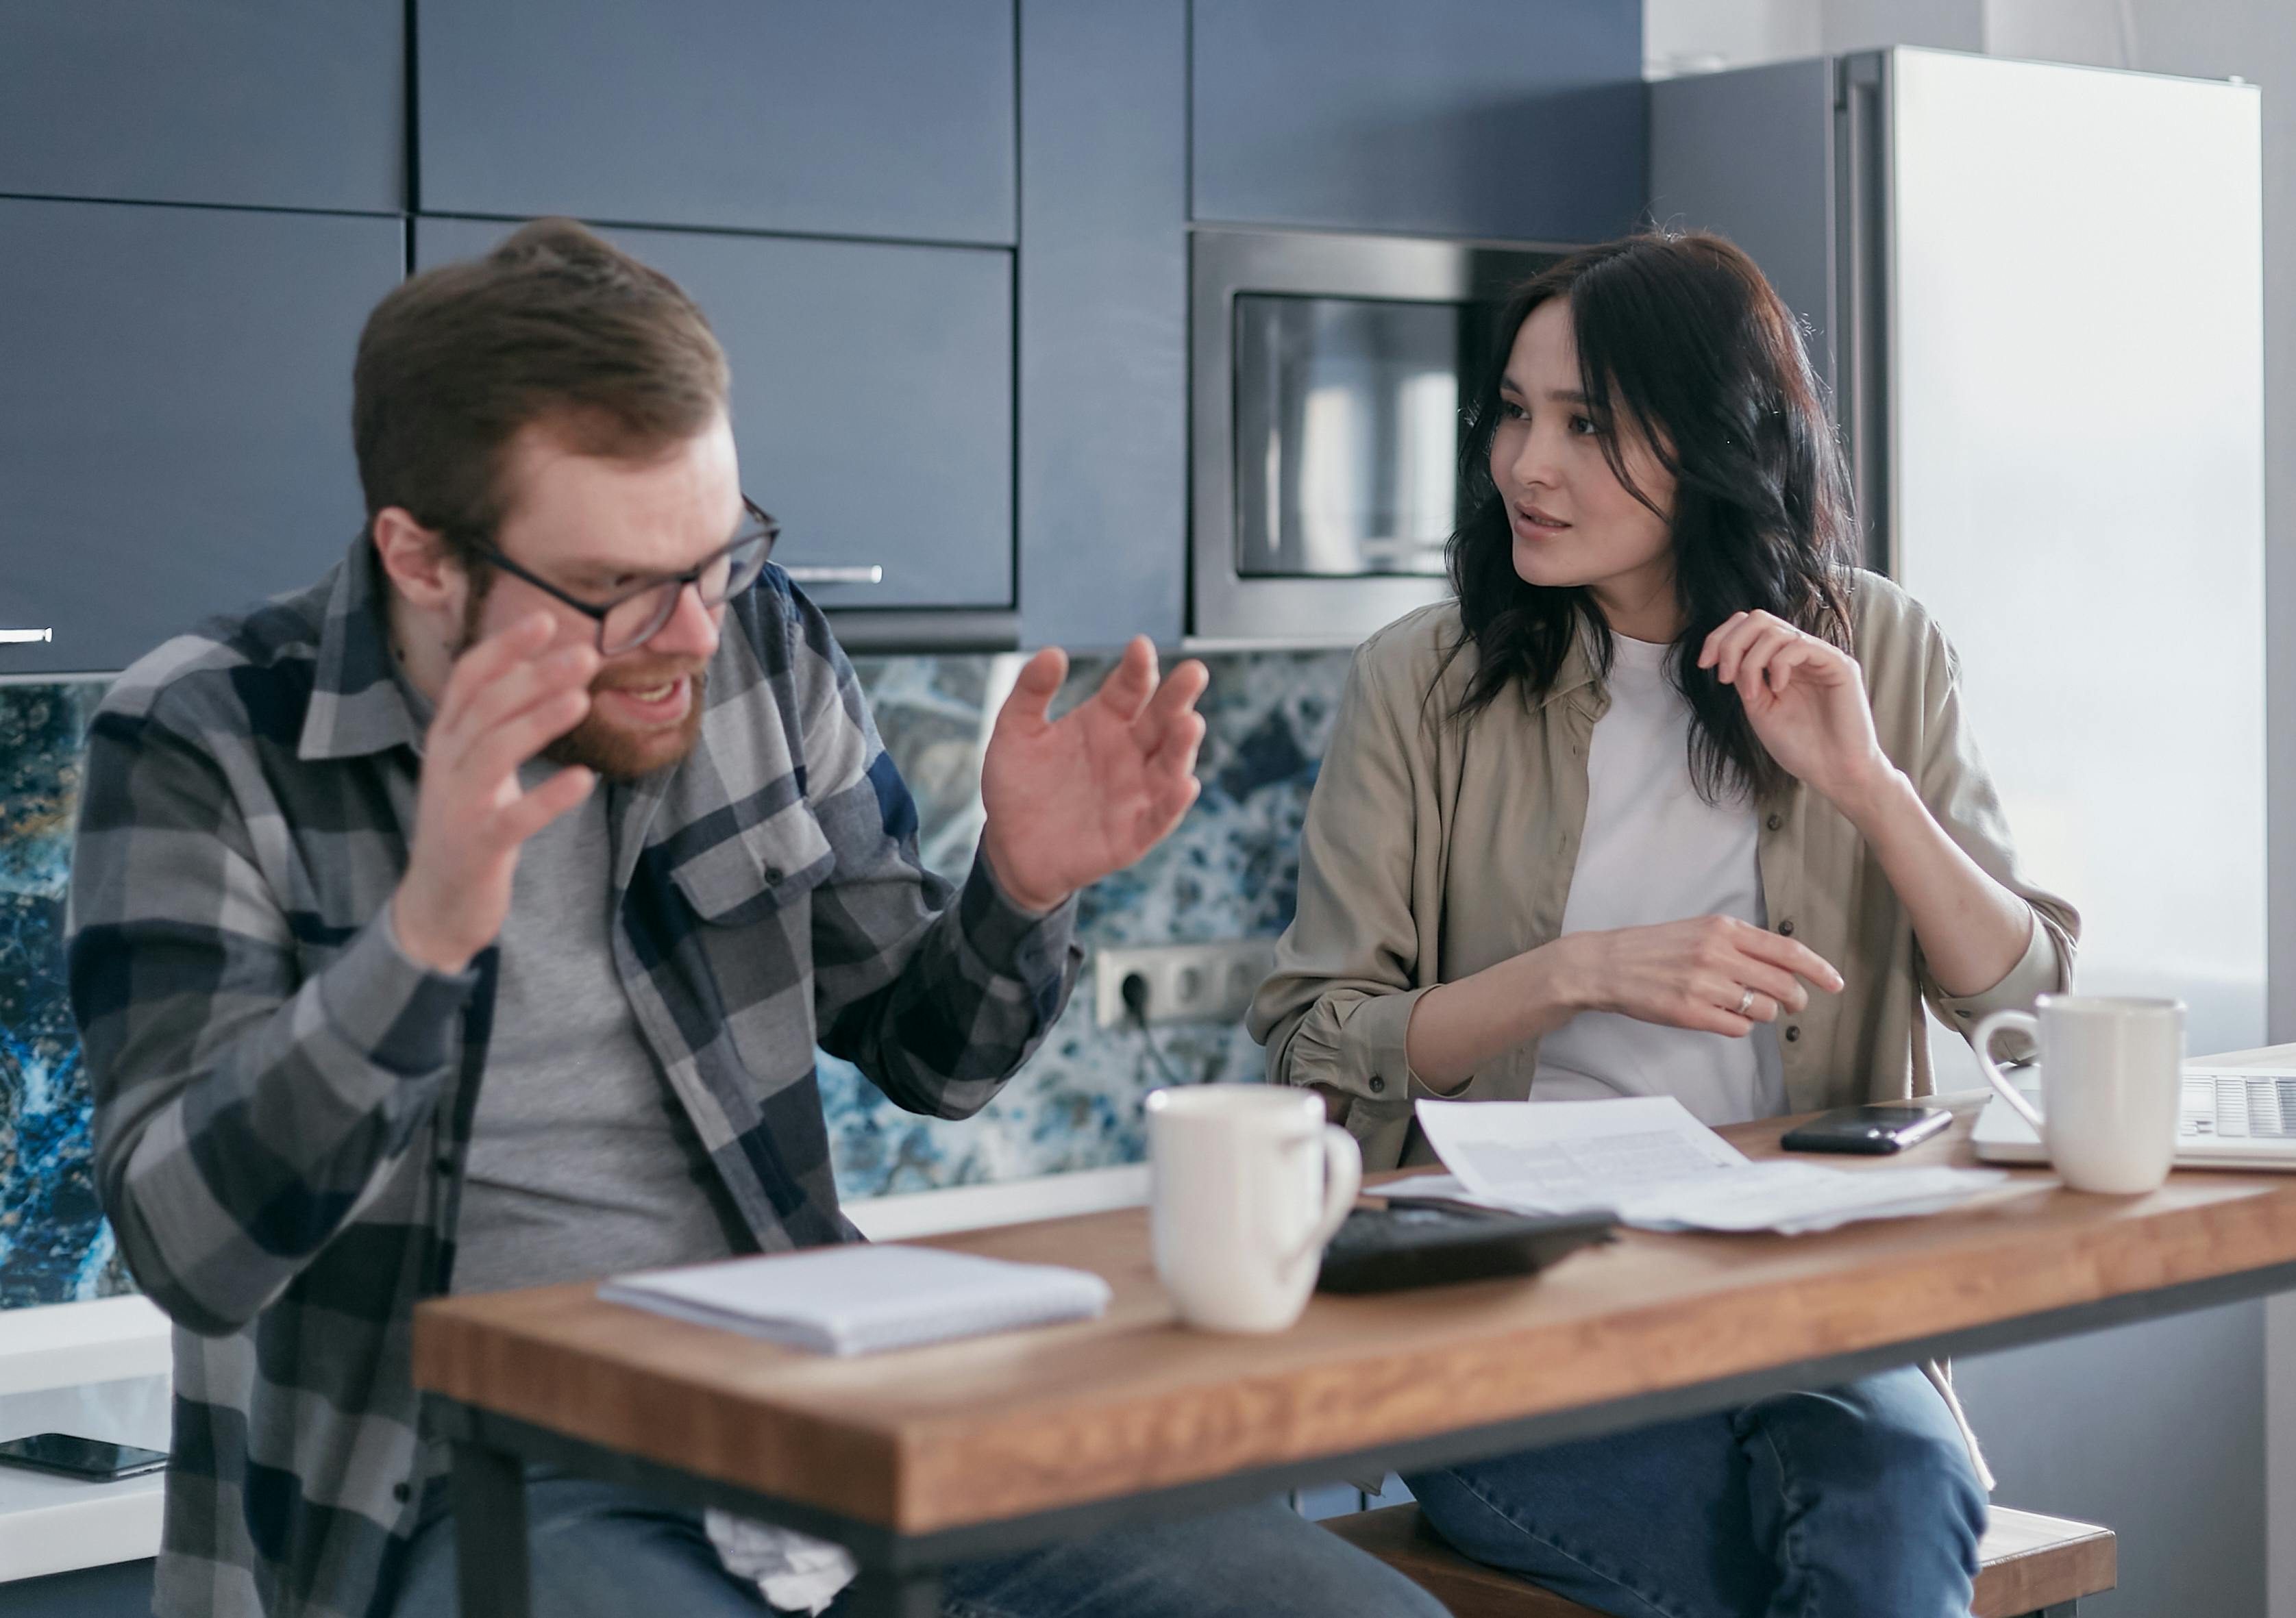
x=1427 y=1244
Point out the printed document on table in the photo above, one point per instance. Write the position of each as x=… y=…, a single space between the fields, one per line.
x=1647 y=1160
x=1562 y=1157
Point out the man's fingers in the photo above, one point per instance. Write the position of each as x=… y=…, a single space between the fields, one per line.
x=1170 y=797
x=1176 y=696
x=1168 y=726
x=489 y=658
x=515 y=689
x=494 y=756
x=1033 y=688
x=1132 y=682
x=1176 y=748
x=519 y=821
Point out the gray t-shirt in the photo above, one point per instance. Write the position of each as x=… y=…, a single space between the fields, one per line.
x=581 y=1161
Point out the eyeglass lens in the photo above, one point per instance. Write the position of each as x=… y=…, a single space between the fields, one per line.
x=631 y=623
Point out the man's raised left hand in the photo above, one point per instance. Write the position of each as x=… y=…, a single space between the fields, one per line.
x=1071 y=800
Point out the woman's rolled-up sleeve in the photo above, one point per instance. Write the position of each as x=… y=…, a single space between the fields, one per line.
x=1336 y=1009
x=1958 y=790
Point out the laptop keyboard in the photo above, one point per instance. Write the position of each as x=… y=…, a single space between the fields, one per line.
x=2238 y=1107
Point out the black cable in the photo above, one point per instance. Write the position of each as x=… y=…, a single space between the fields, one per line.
x=1136 y=1002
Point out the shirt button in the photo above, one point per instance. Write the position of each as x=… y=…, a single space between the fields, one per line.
x=443 y=1164
x=773 y=875
x=401 y=1493
x=1775 y=821
x=1378 y=1084
x=1785 y=928
x=1794 y=1033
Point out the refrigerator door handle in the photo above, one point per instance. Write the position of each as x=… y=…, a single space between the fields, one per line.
x=1863 y=290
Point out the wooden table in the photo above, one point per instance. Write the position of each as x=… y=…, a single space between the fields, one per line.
x=931 y=1456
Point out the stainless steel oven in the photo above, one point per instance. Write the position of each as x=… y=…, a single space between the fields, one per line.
x=1327 y=374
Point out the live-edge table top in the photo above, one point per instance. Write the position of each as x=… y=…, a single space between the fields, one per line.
x=988 y=1429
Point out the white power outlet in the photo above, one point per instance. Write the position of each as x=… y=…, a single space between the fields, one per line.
x=1187 y=982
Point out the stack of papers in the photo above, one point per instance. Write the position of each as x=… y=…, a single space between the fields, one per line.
x=865 y=1299
x=1646 y=1160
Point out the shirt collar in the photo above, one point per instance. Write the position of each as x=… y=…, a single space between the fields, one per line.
x=1577 y=671
x=358 y=705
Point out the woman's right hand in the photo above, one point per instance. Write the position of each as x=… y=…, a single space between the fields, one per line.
x=1696 y=974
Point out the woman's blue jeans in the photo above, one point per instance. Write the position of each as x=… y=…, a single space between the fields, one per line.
x=1857 y=1502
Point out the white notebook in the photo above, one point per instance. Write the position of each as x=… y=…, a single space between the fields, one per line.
x=864 y=1298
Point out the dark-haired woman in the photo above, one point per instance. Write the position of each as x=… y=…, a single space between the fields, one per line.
x=1671 y=800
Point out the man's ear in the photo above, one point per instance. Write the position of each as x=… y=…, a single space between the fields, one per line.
x=418 y=564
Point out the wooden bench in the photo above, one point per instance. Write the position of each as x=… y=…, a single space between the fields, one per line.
x=2034 y=1566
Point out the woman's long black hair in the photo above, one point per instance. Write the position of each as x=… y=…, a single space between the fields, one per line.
x=1684 y=345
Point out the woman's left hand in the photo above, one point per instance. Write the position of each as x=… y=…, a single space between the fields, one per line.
x=1807 y=702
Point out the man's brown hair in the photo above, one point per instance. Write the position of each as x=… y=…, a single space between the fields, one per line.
x=554 y=326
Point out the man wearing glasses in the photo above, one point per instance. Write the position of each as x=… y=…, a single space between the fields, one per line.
x=554 y=783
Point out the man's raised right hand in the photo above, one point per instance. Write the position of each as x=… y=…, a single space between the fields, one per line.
x=506 y=700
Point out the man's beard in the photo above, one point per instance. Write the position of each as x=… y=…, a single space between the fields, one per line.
x=620 y=754
x=614 y=752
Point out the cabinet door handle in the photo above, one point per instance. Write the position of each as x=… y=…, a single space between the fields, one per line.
x=25 y=637
x=869 y=574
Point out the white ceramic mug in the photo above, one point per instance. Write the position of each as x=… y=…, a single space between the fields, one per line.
x=1247 y=1183
x=2111 y=1071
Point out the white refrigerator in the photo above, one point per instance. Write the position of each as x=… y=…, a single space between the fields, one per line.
x=2037 y=292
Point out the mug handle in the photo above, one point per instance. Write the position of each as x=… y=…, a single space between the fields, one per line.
x=1342 y=1182
x=1981 y=1041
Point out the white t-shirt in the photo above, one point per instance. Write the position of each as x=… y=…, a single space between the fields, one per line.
x=1654 y=851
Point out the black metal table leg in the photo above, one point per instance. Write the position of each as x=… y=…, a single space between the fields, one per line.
x=490 y=1551
x=875 y=1593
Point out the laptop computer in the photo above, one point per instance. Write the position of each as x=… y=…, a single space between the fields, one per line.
x=2230 y=1118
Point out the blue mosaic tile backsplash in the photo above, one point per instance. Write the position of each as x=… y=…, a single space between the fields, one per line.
x=53 y=1243
x=1229 y=871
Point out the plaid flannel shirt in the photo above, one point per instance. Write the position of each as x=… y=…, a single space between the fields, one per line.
x=283 y=1101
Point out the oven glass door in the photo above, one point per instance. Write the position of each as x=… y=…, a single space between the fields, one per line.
x=1347 y=432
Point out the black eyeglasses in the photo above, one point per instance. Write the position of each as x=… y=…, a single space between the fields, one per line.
x=629 y=622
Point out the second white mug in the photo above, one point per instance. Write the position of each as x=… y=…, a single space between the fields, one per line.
x=1247 y=1183
x=2113 y=1070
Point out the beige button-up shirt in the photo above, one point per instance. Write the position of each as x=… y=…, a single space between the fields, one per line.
x=1432 y=852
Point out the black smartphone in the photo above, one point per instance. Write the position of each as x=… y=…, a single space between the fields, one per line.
x=96 y=1460
x=1871 y=1129
x=1432 y=1244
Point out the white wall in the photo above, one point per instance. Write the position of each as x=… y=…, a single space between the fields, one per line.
x=1700 y=35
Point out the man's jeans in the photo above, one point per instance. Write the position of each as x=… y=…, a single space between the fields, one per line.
x=602 y=1551
x=1860 y=1502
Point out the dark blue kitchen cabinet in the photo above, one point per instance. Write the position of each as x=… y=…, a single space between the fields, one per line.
x=1103 y=319
x=845 y=117
x=175 y=415
x=872 y=399
x=269 y=103
x=1451 y=117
